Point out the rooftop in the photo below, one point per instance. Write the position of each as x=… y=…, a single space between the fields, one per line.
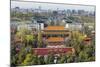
x=55 y=39
x=55 y=28
x=46 y=51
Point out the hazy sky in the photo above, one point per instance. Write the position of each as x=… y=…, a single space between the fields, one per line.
x=50 y=6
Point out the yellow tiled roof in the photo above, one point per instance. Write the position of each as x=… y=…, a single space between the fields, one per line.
x=55 y=28
x=55 y=39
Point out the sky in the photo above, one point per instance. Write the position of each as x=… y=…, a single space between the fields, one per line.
x=52 y=6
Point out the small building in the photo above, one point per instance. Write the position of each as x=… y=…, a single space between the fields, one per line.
x=54 y=36
x=87 y=40
x=30 y=26
x=55 y=42
x=55 y=31
x=47 y=51
x=73 y=26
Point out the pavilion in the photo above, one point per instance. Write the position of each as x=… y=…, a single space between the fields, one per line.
x=55 y=37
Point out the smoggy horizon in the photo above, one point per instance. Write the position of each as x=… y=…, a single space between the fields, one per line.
x=51 y=6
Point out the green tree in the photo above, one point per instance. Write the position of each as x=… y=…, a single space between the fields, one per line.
x=22 y=34
x=30 y=39
x=39 y=37
x=83 y=56
x=27 y=60
x=69 y=57
x=63 y=59
x=52 y=23
x=50 y=59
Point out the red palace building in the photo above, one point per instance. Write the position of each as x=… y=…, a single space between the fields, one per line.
x=54 y=37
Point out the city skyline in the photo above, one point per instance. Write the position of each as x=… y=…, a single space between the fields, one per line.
x=52 y=6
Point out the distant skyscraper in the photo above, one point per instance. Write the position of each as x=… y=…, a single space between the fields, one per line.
x=74 y=11
x=69 y=12
x=40 y=7
x=17 y=8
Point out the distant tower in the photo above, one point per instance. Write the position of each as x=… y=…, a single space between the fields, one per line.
x=57 y=9
x=39 y=7
x=17 y=8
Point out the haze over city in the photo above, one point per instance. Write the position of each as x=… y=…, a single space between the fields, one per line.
x=46 y=6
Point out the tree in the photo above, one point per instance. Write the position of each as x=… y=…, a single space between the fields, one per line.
x=50 y=59
x=69 y=57
x=76 y=41
x=41 y=60
x=27 y=60
x=83 y=56
x=63 y=59
x=30 y=39
x=35 y=60
x=22 y=34
x=52 y=23
x=39 y=37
